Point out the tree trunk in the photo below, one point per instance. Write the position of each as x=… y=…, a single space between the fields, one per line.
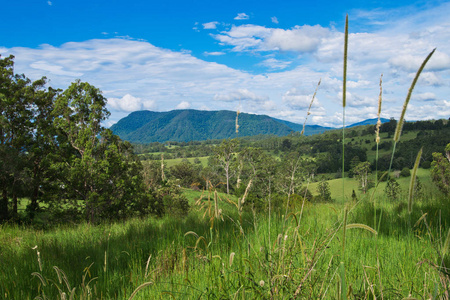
x=14 y=210
x=228 y=179
x=4 y=214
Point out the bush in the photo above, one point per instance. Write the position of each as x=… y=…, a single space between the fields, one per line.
x=169 y=200
x=405 y=172
x=323 y=188
x=392 y=190
x=426 y=164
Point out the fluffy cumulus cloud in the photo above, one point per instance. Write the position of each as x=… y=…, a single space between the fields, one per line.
x=301 y=38
x=183 y=105
x=138 y=75
x=240 y=94
x=128 y=103
x=210 y=25
x=298 y=100
x=242 y=16
x=275 y=64
x=254 y=37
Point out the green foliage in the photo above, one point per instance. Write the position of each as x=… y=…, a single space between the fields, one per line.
x=224 y=154
x=440 y=170
x=361 y=171
x=426 y=164
x=392 y=190
x=323 y=191
x=405 y=172
x=55 y=152
x=188 y=125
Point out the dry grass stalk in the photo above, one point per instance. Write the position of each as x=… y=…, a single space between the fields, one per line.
x=398 y=129
x=146 y=266
x=309 y=108
x=230 y=261
x=242 y=201
x=216 y=205
x=377 y=130
x=163 y=176
x=412 y=184
x=140 y=288
x=362 y=226
x=237 y=120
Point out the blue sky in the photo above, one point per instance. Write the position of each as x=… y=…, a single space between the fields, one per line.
x=262 y=57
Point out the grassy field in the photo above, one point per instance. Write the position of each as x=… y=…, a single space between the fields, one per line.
x=352 y=184
x=252 y=255
x=172 y=162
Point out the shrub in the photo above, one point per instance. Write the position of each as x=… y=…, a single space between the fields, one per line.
x=426 y=164
x=323 y=189
x=392 y=189
x=405 y=172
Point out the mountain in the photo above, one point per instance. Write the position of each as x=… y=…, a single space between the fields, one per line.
x=196 y=125
x=368 y=122
x=188 y=125
x=309 y=129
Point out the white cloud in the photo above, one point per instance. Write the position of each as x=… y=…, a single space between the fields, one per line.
x=253 y=37
x=49 y=3
x=216 y=53
x=183 y=105
x=295 y=99
x=129 y=67
x=274 y=20
x=53 y=69
x=210 y=25
x=241 y=94
x=275 y=64
x=242 y=16
x=129 y=103
x=411 y=63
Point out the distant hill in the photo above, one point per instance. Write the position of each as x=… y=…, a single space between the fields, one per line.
x=193 y=125
x=197 y=125
x=368 y=122
x=309 y=129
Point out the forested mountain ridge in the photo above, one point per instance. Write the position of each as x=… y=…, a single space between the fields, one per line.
x=194 y=125
x=197 y=125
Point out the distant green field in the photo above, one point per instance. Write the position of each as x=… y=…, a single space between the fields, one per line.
x=172 y=162
x=336 y=187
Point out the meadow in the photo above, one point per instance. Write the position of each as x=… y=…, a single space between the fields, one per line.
x=366 y=246
x=235 y=255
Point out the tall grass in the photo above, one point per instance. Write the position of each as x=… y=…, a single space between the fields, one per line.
x=224 y=249
x=398 y=129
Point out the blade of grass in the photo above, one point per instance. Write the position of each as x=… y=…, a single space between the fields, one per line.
x=398 y=129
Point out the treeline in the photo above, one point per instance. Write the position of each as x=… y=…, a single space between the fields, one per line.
x=326 y=148
x=55 y=153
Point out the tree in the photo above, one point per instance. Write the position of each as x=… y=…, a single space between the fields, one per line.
x=323 y=189
x=440 y=170
x=405 y=172
x=18 y=130
x=42 y=149
x=186 y=173
x=392 y=189
x=361 y=172
x=224 y=154
x=94 y=165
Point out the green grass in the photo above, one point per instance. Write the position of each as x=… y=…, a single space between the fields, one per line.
x=265 y=262
x=175 y=161
x=352 y=184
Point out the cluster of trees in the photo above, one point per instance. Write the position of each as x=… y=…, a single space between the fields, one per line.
x=54 y=151
x=235 y=169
